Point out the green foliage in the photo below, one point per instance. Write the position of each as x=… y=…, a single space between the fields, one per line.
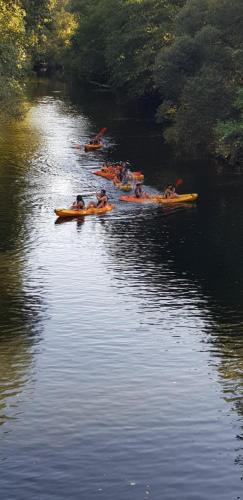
x=117 y=41
x=130 y=49
x=174 y=65
x=49 y=27
x=229 y=134
x=29 y=30
x=200 y=72
x=204 y=100
x=192 y=17
x=12 y=56
x=87 y=51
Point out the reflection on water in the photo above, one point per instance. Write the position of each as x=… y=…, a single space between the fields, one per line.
x=121 y=334
x=63 y=220
x=15 y=364
x=21 y=303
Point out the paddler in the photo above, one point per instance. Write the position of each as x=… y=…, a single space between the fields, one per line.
x=102 y=200
x=94 y=141
x=78 y=204
x=124 y=173
x=170 y=191
x=138 y=190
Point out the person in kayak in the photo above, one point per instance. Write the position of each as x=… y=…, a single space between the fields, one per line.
x=94 y=141
x=124 y=173
x=170 y=191
x=102 y=200
x=139 y=193
x=116 y=171
x=78 y=204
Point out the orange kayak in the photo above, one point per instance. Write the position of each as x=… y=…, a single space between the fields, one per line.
x=92 y=147
x=109 y=175
x=66 y=212
x=133 y=199
x=182 y=198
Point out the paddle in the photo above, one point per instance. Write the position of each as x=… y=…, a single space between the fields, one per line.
x=100 y=133
x=88 y=194
x=92 y=194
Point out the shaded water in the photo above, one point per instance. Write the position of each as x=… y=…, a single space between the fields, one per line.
x=121 y=349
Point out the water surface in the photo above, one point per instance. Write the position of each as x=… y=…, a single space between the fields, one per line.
x=121 y=348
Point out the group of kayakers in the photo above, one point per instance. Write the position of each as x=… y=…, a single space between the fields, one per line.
x=120 y=174
x=122 y=177
x=119 y=171
x=169 y=191
x=125 y=179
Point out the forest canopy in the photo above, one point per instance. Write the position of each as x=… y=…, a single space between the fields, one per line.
x=185 y=55
x=30 y=31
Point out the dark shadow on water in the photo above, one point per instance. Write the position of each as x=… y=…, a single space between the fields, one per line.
x=64 y=220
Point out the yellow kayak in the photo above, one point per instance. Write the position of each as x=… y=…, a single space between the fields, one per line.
x=181 y=198
x=66 y=212
x=123 y=187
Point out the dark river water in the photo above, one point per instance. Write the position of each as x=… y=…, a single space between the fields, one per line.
x=121 y=336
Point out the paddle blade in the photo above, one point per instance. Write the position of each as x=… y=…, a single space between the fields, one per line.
x=178 y=182
x=101 y=133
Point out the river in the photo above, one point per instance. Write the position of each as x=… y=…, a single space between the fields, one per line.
x=121 y=347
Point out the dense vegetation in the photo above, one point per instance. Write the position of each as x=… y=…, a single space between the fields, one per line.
x=187 y=55
x=30 y=31
x=12 y=54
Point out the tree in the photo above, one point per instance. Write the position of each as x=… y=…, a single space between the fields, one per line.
x=12 y=56
x=49 y=28
x=229 y=134
x=117 y=41
x=198 y=74
x=204 y=100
